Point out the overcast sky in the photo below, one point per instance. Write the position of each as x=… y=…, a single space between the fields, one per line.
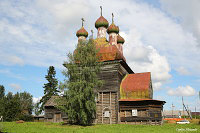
x=161 y=37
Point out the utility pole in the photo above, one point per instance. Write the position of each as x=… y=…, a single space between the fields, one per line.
x=183 y=107
x=172 y=110
x=189 y=113
x=195 y=113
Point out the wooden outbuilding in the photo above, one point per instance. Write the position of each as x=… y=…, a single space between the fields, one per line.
x=53 y=114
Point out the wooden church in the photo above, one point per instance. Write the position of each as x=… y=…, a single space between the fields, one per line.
x=126 y=97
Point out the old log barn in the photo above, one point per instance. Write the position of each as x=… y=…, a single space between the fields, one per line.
x=126 y=97
x=52 y=114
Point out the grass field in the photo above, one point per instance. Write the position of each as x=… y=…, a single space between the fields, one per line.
x=40 y=127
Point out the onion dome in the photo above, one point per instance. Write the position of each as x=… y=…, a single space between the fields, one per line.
x=101 y=22
x=82 y=32
x=120 y=39
x=113 y=28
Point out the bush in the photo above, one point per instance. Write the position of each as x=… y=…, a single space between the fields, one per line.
x=26 y=117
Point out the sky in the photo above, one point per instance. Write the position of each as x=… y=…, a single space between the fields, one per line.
x=161 y=37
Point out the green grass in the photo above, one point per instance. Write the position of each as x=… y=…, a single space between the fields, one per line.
x=40 y=127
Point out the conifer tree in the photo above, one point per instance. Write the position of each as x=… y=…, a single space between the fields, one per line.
x=2 y=91
x=50 y=88
x=81 y=71
x=2 y=100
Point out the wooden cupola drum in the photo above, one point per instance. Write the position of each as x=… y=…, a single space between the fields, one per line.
x=113 y=30
x=82 y=34
x=101 y=24
x=120 y=42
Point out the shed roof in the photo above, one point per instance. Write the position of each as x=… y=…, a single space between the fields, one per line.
x=51 y=101
x=141 y=100
x=138 y=99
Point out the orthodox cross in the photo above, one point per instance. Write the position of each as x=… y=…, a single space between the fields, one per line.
x=82 y=21
x=101 y=10
x=112 y=18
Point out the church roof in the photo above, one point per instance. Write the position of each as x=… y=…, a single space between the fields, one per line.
x=106 y=51
x=120 y=39
x=136 y=81
x=113 y=28
x=82 y=32
x=136 y=86
x=101 y=22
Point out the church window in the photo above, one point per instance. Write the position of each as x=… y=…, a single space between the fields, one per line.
x=107 y=114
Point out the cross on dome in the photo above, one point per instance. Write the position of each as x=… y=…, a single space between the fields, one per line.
x=101 y=10
x=112 y=18
x=82 y=21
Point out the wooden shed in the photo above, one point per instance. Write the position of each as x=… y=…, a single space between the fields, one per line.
x=52 y=114
x=141 y=111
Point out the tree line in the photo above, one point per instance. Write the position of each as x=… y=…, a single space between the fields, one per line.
x=17 y=106
x=79 y=87
x=20 y=106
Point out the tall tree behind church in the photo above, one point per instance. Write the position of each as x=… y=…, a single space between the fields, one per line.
x=50 y=88
x=81 y=71
x=2 y=91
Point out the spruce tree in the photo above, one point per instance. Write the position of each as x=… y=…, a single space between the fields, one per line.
x=2 y=91
x=2 y=100
x=50 y=88
x=82 y=82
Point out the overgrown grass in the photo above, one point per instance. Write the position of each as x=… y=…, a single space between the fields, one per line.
x=41 y=127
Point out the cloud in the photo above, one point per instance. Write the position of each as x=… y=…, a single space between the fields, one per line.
x=16 y=87
x=182 y=71
x=160 y=98
x=182 y=91
x=9 y=73
x=187 y=13
x=11 y=60
x=154 y=41
x=142 y=58
x=36 y=99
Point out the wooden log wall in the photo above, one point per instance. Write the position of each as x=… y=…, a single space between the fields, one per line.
x=111 y=73
x=50 y=114
x=107 y=102
x=147 y=112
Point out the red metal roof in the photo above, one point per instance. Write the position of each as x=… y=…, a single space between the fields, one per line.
x=136 y=81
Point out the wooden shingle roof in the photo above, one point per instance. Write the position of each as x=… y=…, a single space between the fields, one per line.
x=51 y=101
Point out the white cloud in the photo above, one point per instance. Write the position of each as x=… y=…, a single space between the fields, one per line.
x=16 y=87
x=142 y=58
x=36 y=99
x=11 y=60
x=182 y=71
x=160 y=98
x=187 y=11
x=182 y=91
x=41 y=33
x=9 y=73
